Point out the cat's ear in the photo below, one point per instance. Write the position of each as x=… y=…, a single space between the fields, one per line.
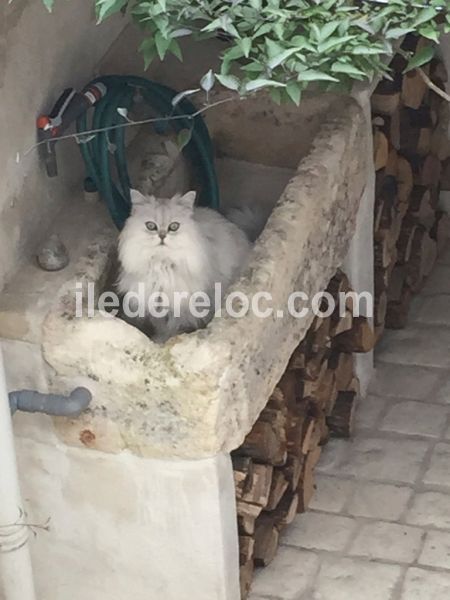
x=137 y=198
x=188 y=199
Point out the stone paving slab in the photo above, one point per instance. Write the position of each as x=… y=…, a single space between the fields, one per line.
x=438 y=282
x=430 y=509
x=379 y=525
x=406 y=381
x=416 y=418
x=290 y=574
x=380 y=501
x=370 y=411
x=416 y=345
x=388 y=541
x=436 y=550
x=434 y=310
x=443 y=392
x=332 y=494
x=438 y=472
x=381 y=459
x=351 y=579
x=312 y=531
x=426 y=585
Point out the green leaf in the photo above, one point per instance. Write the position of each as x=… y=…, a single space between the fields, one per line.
x=327 y=30
x=226 y=23
x=275 y=94
x=367 y=50
x=279 y=29
x=104 y=8
x=183 y=138
x=162 y=44
x=149 y=52
x=48 y=4
x=179 y=97
x=420 y=58
x=294 y=91
x=300 y=42
x=262 y=30
x=280 y=58
x=398 y=32
x=333 y=43
x=182 y=32
x=313 y=75
x=273 y=48
x=245 y=44
x=315 y=31
x=257 y=84
x=430 y=32
x=175 y=49
x=207 y=81
x=229 y=81
x=253 y=67
x=347 y=68
x=233 y=53
x=425 y=15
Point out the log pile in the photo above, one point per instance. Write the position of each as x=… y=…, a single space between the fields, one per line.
x=412 y=162
x=315 y=399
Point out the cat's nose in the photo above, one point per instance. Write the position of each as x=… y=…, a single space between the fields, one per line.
x=162 y=234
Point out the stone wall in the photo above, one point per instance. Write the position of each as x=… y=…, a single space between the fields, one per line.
x=40 y=55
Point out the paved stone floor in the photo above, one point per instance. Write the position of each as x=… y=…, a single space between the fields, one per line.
x=379 y=525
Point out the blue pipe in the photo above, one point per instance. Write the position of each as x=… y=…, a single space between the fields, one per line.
x=51 y=404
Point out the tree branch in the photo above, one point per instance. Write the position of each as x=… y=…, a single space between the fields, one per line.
x=432 y=85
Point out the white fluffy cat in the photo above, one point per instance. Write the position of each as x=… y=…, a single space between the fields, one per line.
x=170 y=246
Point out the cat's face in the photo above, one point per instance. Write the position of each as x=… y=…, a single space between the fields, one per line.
x=164 y=223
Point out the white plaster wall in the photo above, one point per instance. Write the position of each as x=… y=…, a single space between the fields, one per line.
x=40 y=55
x=445 y=52
x=359 y=263
x=123 y=527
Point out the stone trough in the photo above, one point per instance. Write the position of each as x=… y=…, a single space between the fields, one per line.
x=144 y=476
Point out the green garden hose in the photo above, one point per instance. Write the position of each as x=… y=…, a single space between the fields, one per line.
x=110 y=177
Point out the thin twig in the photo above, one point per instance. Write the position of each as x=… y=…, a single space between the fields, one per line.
x=77 y=136
x=432 y=85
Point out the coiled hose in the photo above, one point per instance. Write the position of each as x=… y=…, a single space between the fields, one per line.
x=110 y=177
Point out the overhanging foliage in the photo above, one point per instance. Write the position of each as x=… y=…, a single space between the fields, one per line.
x=286 y=44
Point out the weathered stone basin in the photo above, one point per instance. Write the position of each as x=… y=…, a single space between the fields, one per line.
x=200 y=393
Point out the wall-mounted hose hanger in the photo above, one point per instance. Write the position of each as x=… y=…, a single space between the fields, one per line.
x=111 y=99
x=51 y=404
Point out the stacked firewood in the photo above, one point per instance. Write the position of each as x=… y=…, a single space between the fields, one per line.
x=410 y=144
x=315 y=398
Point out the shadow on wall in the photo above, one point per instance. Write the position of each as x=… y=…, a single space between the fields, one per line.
x=40 y=54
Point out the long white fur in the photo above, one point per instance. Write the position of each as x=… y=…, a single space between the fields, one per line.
x=206 y=249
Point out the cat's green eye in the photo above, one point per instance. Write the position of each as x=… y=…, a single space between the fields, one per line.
x=151 y=226
x=174 y=226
